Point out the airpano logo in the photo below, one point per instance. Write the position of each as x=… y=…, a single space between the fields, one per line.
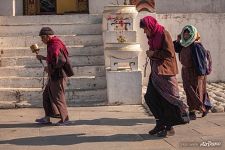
x=211 y=144
x=208 y=143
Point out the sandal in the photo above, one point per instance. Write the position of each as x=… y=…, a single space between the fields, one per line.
x=43 y=120
x=65 y=123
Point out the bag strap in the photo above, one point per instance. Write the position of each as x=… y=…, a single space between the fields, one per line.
x=209 y=59
x=64 y=54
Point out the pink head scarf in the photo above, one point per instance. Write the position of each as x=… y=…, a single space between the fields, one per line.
x=155 y=40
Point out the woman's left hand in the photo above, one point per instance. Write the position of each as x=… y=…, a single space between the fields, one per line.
x=149 y=53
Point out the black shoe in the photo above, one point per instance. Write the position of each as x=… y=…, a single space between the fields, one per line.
x=162 y=133
x=156 y=130
x=185 y=118
x=168 y=131
x=159 y=127
x=192 y=116
x=205 y=113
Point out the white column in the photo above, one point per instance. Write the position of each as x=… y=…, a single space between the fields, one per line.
x=14 y=7
x=11 y=7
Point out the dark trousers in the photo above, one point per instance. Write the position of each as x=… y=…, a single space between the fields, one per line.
x=54 y=102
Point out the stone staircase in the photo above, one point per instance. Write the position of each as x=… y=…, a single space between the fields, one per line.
x=21 y=73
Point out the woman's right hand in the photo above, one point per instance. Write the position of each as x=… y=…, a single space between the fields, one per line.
x=40 y=57
x=178 y=37
x=149 y=53
x=46 y=69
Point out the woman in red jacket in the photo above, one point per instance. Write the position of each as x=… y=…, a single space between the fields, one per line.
x=54 y=102
x=162 y=96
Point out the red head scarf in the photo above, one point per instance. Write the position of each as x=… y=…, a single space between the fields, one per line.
x=54 y=46
x=155 y=40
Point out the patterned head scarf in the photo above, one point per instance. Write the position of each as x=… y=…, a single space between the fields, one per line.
x=194 y=36
x=157 y=30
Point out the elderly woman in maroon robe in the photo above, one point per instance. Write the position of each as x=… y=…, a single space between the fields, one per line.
x=162 y=96
x=192 y=56
x=54 y=102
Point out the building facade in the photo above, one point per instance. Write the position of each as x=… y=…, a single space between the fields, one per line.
x=59 y=7
x=173 y=14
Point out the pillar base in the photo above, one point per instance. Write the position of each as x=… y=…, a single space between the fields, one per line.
x=124 y=87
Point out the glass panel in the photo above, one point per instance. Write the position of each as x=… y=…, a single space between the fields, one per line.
x=47 y=6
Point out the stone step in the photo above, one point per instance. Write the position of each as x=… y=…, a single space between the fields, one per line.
x=70 y=40
x=51 y=19
x=80 y=83
x=33 y=30
x=31 y=61
x=32 y=97
x=79 y=50
x=21 y=71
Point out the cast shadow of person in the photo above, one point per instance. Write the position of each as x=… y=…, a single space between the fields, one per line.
x=73 y=139
x=100 y=121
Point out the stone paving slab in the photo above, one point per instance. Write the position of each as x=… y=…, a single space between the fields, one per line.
x=105 y=128
x=216 y=93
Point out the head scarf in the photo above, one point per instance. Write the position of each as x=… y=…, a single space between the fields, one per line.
x=194 y=36
x=54 y=47
x=157 y=30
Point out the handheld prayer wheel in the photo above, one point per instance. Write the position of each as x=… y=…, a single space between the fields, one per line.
x=34 y=48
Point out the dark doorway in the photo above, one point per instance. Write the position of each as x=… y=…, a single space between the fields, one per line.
x=46 y=7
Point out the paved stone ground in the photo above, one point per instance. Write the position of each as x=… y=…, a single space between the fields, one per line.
x=216 y=93
x=106 y=128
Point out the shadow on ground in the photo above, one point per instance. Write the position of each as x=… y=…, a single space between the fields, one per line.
x=101 y=121
x=71 y=139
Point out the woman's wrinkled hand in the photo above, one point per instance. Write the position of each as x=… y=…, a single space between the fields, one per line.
x=40 y=57
x=178 y=37
x=149 y=53
x=46 y=69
